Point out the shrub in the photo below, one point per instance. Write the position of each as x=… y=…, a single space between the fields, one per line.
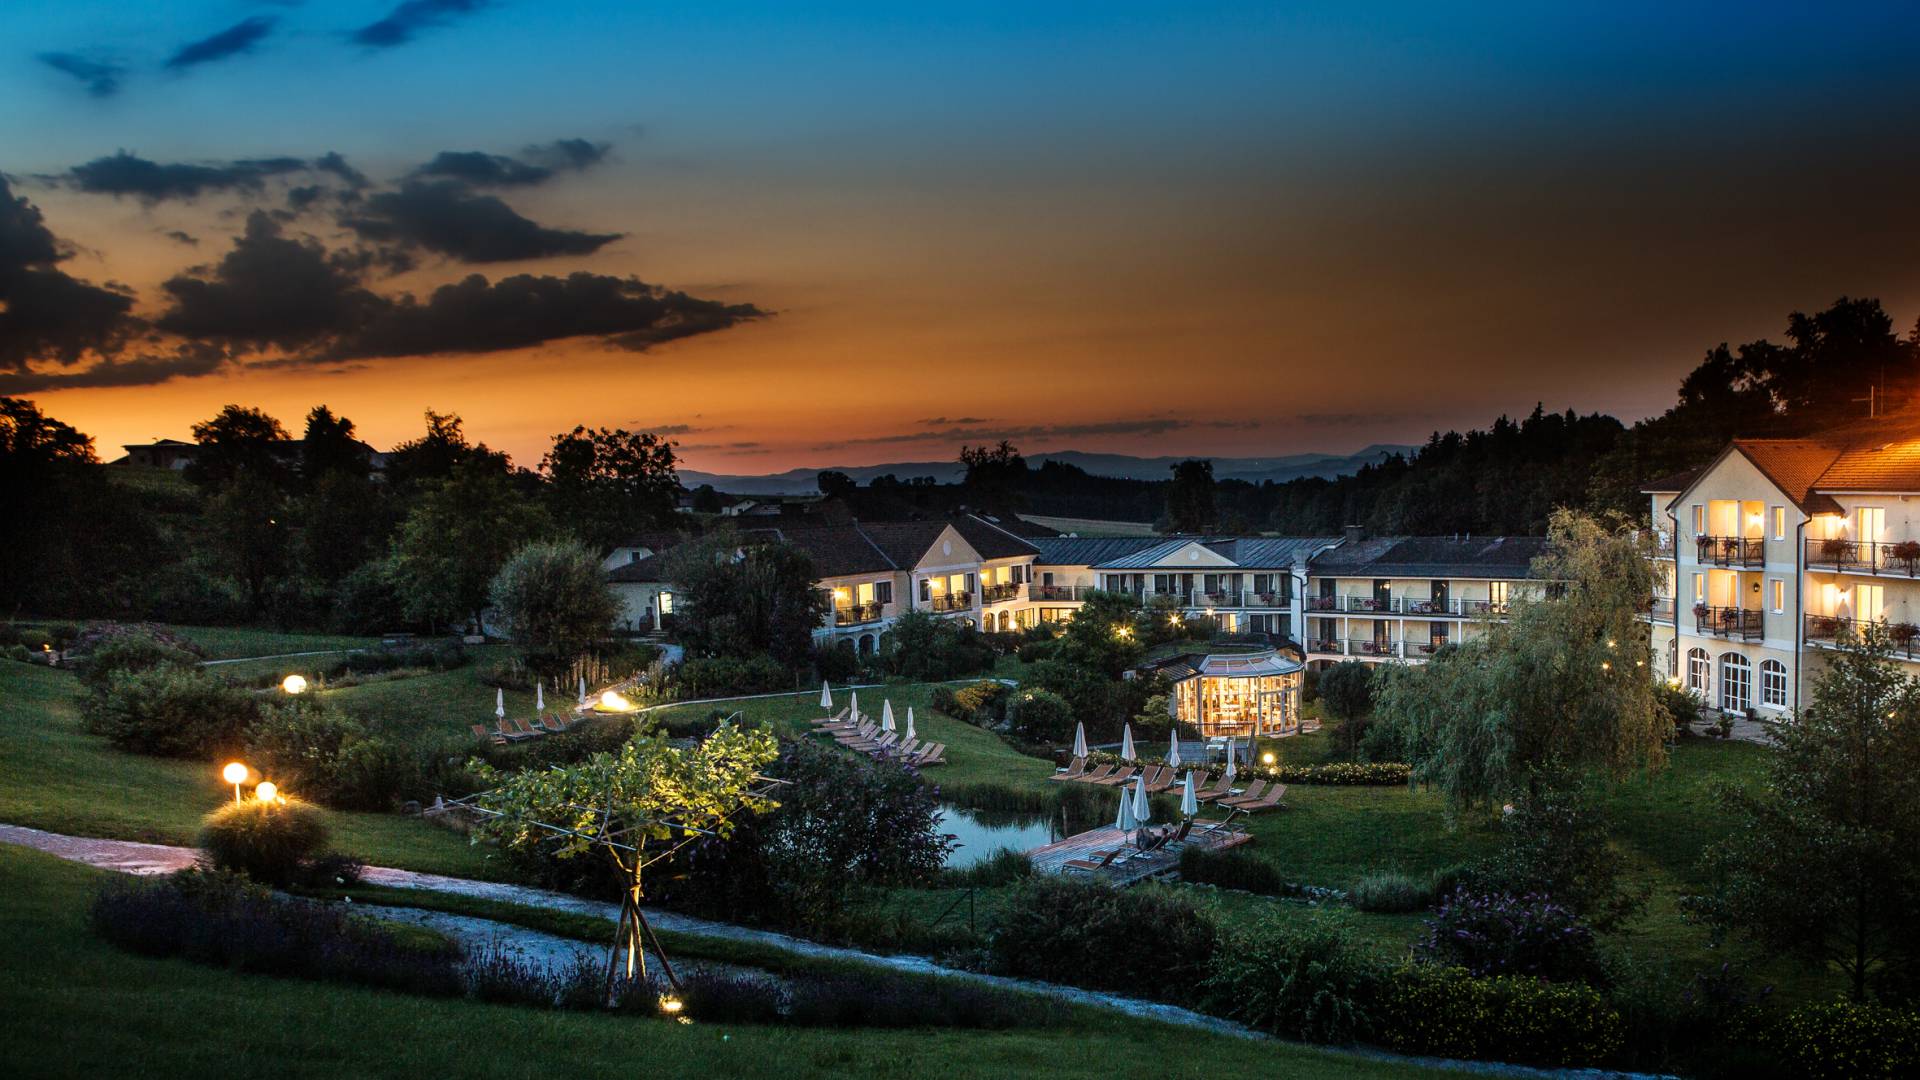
x=1297 y=981
x=114 y=648
x=1032 y=652
x=1680 y=706
x=1338 y=773
x=1230 y=870
x=318 y=750
x=1448 y=1012
x=837 y=662
x=1391 y=892
x=227 y=921
x=1556 y=842
x=1140 y=940
x=1003 y=867
x=1492 y=934
x=942 y=699
x=172 y=712
x=729 y=676
x=1848 y=1039
x=980 y=703
x=714 y=996
x=267 y=841
x=929 y=649
x=1040 y=716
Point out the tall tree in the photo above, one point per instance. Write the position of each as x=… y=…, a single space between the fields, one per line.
x=237 y=440
x=1821 y=863
x=247 y=527
x=52 y=490
x=329 y=446
x=434 y=455
x=457 y=536
x=553 y=599
x=1190 y=505
x=1563 y=683
x=745 y=600
x=608 y=484
x=996 y=476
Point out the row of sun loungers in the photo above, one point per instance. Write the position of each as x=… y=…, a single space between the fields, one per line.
x=1151 y=841
x=1259 y=795
x=866 y=736
x=517 y=730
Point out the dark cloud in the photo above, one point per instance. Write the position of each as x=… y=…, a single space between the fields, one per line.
x=332 y=162
x=46 y=314
x=447 y=217
x=535 y=165
x=181 y=237
x=475 y=316
x=943 y=420
x=409 y=18
x=198 y=358
x=234 y=40
x=270 y=290
x=150 y=181
x=100 y=77
x=1146 y=426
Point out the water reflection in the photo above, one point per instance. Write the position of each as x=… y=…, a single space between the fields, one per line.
x=981 y=833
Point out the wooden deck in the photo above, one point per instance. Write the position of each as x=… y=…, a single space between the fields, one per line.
x=1052 y=858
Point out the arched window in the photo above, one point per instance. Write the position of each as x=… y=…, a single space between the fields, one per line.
x=1736 y=682
x=1698 y=671
x=1773 y=684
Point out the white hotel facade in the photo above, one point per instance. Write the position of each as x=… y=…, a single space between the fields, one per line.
x=1776 y=551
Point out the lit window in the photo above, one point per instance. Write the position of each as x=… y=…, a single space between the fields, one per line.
x=1778 y=589
x=666 y=603
x=1773 y=684
x=1736 y=688
x=1698 y=673
x=1699 y=588
x=1779 y=523
x=1699 y=520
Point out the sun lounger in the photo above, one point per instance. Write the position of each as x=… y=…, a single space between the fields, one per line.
x=932 y=755
x=1072 y=772
x=1087 y=866
x=1163 y=781
x=527 y=729
x=906 y=749
x=508 y=731
x=1252 y=794
x=1221 y=790
x=552 y=723
x=1266 y=802
x=1119 y=777
x=859 y=734
x=480 y=732
x=1096 y=775
x=1200 y=782
x=836 y=718
x=880 y=741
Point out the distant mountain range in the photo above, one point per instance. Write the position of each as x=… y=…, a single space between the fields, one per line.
x=1252 y=470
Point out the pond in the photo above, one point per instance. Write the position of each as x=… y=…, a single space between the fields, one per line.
x=982 y=833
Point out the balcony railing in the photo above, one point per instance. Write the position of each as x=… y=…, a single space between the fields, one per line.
x=1372 y=647
x=1901 y=559
x=1332 y=646
x=1730 y=550
x=1833 y=631
x=994 y=594
x=856 y=614
x=1729 y=622
x=1661 y=609
x=959 y=601
x=1058 y=593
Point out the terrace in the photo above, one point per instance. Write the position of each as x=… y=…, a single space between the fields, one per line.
x=1837 y=631
x=998 y=593
x=1730 y=550
x=1901 y=559
x=1374 y=647
x=1059 y=593
x=1729 y=622
x=956 y=601
x=856 y=614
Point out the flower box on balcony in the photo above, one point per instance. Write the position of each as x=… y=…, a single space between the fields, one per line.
x=1838 y=549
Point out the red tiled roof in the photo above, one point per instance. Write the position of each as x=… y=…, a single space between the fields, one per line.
x=1794 y=466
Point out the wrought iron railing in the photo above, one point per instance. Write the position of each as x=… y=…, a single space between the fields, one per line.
x=1897 y=559
x=1730 y=550
x=959 y=601
x=1744 y=623
x=856 y=614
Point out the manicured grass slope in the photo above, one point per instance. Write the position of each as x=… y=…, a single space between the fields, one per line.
x=76 y=1007
x=55 y=776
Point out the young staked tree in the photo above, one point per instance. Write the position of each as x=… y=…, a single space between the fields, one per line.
x=637 y=807
x=553 y=599
x=1822 y=861
x=1563 y=683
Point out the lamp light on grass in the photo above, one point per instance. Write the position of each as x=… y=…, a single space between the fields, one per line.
x=266 y=791
x=1266 y=758
x=236 y=774
x=294 y=684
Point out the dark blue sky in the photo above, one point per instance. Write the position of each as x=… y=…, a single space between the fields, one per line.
x=1168 y=227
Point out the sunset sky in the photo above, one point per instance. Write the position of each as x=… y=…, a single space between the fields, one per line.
x=883 y=230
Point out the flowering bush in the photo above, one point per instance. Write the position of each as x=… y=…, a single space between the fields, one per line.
x=1340 y=773
x=1492 y=934
x=1847 y=1039
x=1446 y=1011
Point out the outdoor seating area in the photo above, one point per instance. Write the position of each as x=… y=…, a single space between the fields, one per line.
x=520 y=729
x=878 y=737
x=1256 y=796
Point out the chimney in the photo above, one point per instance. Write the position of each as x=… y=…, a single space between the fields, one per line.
x=1355 y=533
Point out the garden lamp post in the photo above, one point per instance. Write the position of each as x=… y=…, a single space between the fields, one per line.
x=236 y=774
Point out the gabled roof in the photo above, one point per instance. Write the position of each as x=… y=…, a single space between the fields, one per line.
x=991 y=539
x=647 y=570
x=836 y=550
x=1793 y=466
x=1491 y=557
x=1090 y=550
x=904 y=543
x=1271 y=552
x=1671 y=483
x=1147 y=558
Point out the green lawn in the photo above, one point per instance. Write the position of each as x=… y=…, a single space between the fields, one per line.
x=55 y=776
x=87 y=1009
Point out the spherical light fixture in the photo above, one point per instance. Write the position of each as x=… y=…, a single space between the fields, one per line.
x=267 y=791
x=236 y=774
x=294 y=684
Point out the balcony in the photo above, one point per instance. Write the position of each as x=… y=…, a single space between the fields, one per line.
x=1425 y=649
x=959 y=601
x=856 y=614
x=994 y=594
x=1845 y=556
x=1329 y=646
x=1660 y=609
x=1058 y=593
x=1444 y=605
x=1728 y=622
x=1837 y=631
x=1266 y=599
x=1372 y=647
x=1730 y=551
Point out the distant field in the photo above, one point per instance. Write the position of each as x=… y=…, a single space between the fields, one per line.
x=1092 y=526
